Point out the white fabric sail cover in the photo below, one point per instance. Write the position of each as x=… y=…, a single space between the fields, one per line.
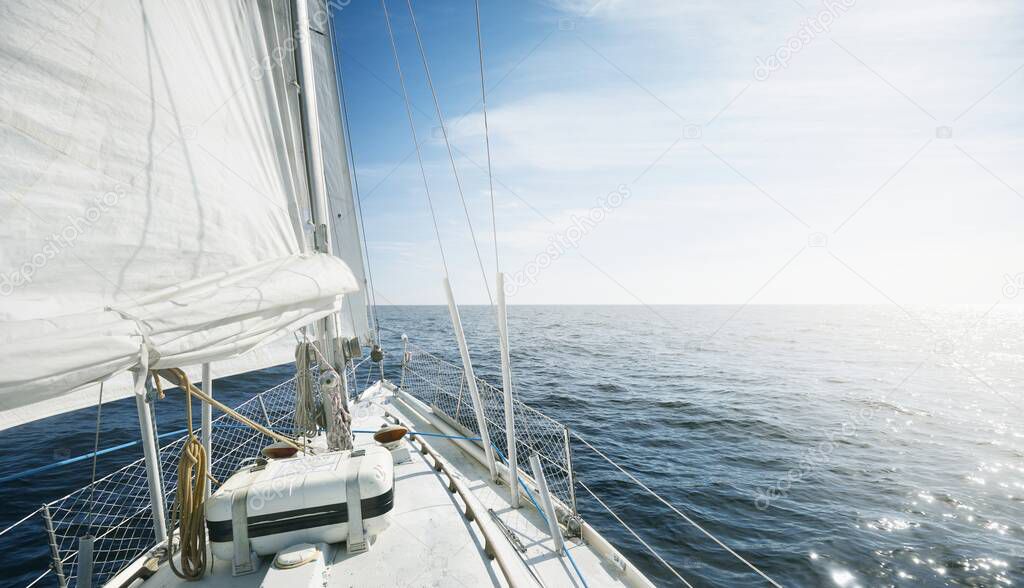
x=214 y=318
x=152 y=193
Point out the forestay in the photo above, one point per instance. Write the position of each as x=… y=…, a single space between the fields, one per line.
x=154 y=198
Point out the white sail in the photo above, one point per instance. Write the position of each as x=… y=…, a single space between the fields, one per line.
x=344 y=210
x=153 y=194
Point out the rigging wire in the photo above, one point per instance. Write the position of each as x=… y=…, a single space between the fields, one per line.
x=635 y=536
x=21 y=520
x=677 y=511
x=95 y=456
x=412 y=129
x=490 y=173
x=487 y=135
x=372 y=295
x=444 y=131
x=448 y=145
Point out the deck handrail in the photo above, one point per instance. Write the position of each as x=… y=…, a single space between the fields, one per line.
x=572 y=481
x=495 y=544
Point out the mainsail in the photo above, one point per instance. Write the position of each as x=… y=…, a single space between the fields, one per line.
x=154 y=198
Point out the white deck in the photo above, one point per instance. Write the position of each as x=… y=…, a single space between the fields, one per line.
x=429 y=542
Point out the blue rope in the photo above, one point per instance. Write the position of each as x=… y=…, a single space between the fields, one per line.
x=540 y=511
x=79 y=458
x=572 y=560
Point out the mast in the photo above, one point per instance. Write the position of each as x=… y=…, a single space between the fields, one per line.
x=319 y=208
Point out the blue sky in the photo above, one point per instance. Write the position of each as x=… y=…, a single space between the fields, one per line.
x=766 y=152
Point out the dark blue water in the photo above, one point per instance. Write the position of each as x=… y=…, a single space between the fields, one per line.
x=830 y=446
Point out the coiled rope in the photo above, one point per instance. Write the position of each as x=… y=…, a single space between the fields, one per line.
x=307 y=413
x=337 y=420
x=188 y=511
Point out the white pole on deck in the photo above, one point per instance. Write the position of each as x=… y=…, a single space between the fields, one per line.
x=143 y=387
x=506 y=385
x=207 y=430
x=474 y=392
x=545 y=501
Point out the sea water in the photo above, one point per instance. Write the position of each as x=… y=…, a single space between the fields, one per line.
x=828 y=445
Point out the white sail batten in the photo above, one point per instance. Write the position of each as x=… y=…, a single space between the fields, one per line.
x=341 y=197
x=153 y=193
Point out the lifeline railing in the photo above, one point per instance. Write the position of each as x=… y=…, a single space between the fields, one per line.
x=443 y=386
x=115 y=509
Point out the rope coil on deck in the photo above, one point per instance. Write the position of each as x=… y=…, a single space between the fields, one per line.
x=307 y=414
x=188 y=511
